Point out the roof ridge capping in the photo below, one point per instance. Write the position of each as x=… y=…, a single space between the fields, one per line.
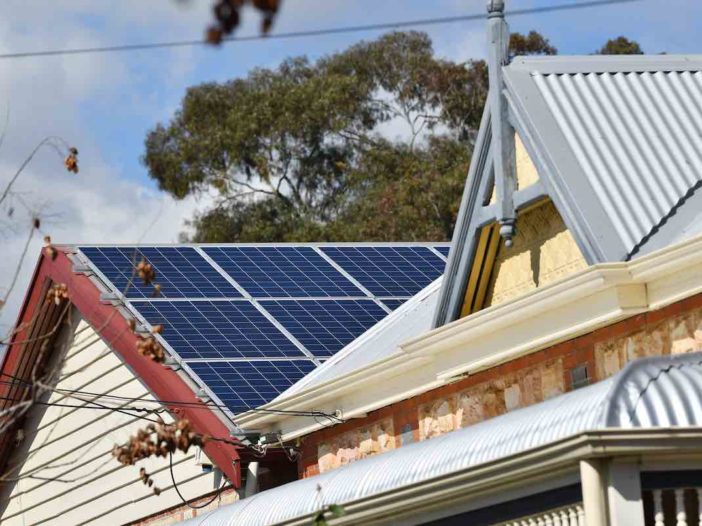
x=565 y=64
x=655 y=376
x=665 y=219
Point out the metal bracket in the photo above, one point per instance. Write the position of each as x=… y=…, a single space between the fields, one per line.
x=110 y=297
x=80 y=268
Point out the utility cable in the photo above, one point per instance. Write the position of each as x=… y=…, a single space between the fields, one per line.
x=173 y=403
x=175 y=486
x=422 y=22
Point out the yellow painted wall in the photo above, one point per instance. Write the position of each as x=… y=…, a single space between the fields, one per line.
x=544 y=251
x=526 y=171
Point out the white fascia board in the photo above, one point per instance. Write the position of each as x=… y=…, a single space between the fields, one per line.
x=598 y=296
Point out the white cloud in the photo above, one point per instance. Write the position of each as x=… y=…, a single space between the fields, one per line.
x=49 y=96
x=92 y=207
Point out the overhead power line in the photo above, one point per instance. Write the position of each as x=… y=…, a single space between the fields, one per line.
x=423 y=22
x=96 y=398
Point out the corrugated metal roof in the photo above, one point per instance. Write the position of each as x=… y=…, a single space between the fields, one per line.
x=380 y=341
x=617 y=143
x=648 y=393
x=637 y=137
x=684 y=222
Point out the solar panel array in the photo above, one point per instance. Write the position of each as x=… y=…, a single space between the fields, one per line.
x=326 y=326
x=182 y=272
x=389 y=271
x=248 y=321
x=282 y=271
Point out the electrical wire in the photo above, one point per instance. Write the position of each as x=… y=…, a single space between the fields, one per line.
x=175 y=486
x=312 y=32
x=187 y=405
x=172 y=403
x=124 y=410
x=256 y=450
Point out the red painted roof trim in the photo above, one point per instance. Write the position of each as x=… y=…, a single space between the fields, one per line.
x=163 y=382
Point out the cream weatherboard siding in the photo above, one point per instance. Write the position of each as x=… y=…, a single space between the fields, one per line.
x=73 y=447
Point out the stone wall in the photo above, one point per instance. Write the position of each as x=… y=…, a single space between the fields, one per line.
x=356 y=444
x=678 y=334
x=521 y=382
x=491 y=398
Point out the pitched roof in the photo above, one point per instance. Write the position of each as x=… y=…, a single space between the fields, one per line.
x=380 y=341
x=616 y=141
x=245 y=322
x=650 y=393
x=39 y=319
x=241 y=322
x=629 y=127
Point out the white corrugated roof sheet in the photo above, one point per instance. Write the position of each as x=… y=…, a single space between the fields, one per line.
x=648 y=393
x=617 y=143
x=632 y=128
x=380 y=341
x=637 y=137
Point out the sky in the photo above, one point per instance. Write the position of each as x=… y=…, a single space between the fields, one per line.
x=105 y=104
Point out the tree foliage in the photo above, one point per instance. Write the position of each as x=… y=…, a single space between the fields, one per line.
x=620 y=46
x=531 y=44
x=372 y=143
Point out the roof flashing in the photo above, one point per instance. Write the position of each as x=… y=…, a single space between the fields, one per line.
x=572 y=64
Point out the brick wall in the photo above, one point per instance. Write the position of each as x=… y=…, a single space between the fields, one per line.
x=524 y=381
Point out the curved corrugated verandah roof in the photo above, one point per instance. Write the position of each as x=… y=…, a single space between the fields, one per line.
x=649 y=393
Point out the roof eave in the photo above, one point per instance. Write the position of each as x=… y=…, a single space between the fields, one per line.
x=595 y=297
x=163 y=382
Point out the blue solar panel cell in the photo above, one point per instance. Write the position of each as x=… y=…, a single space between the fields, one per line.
x=444 y=251
x=267 y=272
x=392 y=303
x=180 y=271
x=217 y=329
x=325 y=326
x=235 y=349
x=389 y=271
x=247 y=385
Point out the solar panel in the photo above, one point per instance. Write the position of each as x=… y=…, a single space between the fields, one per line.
x=392 y=303
x=389 y=271
x=266 y=272
x=247 y=357
x=246 y=385
x=325 y=326
x=180 y=271
x=443 y=250
x=217 y=329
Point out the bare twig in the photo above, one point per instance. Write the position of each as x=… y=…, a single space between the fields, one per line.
x=18 y=269
x=53 y=142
